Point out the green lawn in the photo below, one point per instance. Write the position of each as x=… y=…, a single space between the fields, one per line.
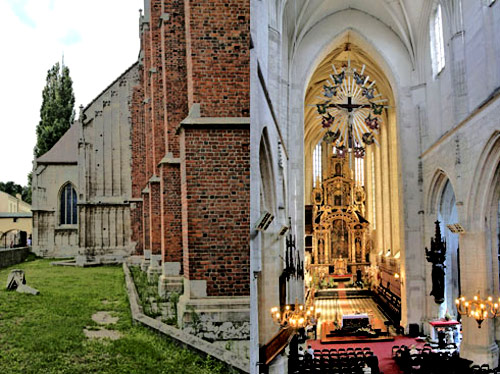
x=44 y=333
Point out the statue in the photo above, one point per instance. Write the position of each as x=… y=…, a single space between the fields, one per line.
x=437 y=255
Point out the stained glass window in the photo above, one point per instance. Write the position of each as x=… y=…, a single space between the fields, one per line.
x=68 y=207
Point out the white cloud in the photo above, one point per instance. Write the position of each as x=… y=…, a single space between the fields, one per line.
x=99 y=40
x=71 y=37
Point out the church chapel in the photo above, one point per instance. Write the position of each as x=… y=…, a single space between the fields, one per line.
x=375 y=182
x=158 y=166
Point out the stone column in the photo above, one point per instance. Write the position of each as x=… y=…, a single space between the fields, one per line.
x=478 y=344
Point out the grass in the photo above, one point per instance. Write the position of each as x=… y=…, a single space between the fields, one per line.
x=44 y=333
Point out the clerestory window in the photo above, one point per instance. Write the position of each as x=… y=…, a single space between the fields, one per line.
x=317 y=164
x=437 y=41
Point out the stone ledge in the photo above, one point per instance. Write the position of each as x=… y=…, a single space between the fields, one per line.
x=194 y=119
x=190 y=341
x=154 y=179
x=169 y=159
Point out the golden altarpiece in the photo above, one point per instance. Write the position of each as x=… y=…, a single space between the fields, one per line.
x=340 y=232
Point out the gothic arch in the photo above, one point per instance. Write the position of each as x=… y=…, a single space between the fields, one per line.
x=267 y=176
x=483 y=209
x=437 y=185
x=268 y=290
x=484 y=183
x=370 y=34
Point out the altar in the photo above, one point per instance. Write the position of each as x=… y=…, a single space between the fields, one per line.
x=340 y=233
x=355 y=321
x=440 y=324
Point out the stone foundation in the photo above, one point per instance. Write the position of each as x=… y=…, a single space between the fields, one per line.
x=213 y=318
x=238 y=347
x=154 y=267
x=170 y=279
x=146 y=259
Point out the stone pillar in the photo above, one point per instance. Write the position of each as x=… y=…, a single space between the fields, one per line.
x=279 y=365
x=478 y=344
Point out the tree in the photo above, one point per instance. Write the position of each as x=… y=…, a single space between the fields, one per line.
x=57 y=113
x=13 y=188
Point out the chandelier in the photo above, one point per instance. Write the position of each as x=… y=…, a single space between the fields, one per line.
x=350 y=109
x=295 y=316
x=477 y=308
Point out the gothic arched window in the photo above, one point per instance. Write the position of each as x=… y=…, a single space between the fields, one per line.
x=437 y=41
x=67 y=205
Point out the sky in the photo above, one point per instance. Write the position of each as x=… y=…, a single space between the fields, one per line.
x=99 y=40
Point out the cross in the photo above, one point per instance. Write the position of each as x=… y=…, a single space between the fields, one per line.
x=350 y=106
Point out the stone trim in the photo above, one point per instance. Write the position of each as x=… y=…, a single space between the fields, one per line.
x=135 y=200
x=169 y=159
x=187 y=340
x=57 y=162
x=194 y=120
x=154 y=179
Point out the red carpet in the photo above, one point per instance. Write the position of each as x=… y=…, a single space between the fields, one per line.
x=341 y=292
x=383 y=350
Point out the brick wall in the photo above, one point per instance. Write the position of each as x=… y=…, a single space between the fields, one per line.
x=171 y=213
x=216 y=208
x=154 y=217
x=147 y=100
x=174 y=71
x=138 y=142
x=138 y=169
x=218 y=56
x=194 y=52
x=155 y=75
x=145 y=221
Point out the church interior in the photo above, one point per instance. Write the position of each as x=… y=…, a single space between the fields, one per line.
x=379 y=155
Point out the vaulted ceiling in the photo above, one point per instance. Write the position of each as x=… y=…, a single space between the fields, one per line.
x=406 y=18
